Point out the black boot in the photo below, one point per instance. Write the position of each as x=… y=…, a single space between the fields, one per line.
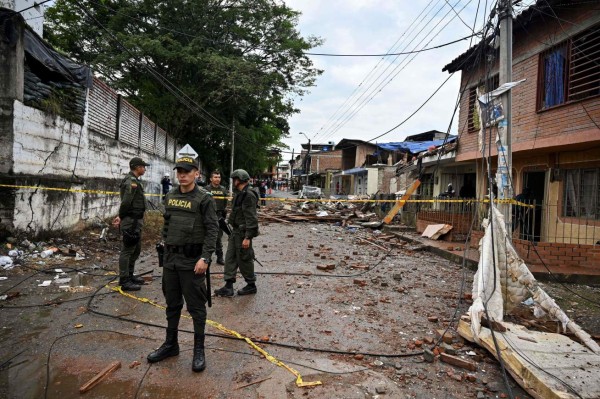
x=169 y=348
x=128 y=285
x=248 y=289
x=135 y=279
x=220 y=260
x=199 y=362
x=226 y=290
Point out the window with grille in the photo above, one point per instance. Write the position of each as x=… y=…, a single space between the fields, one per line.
x=570 y=71
x=581 y=196
x=473 y=123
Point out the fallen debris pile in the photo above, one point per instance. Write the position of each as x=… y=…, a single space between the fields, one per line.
x=343 y=213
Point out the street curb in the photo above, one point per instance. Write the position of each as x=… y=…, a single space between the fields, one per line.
x=584 y=279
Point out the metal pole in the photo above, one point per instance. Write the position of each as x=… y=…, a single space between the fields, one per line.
x=309 y=162
x=504 y=171
x=232 y=153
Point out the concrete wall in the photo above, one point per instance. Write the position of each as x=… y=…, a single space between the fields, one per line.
x=50 y=152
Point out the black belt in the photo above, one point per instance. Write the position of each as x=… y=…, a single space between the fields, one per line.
x=175 y=249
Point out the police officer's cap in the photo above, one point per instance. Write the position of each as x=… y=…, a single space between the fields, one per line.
x=187 y=163
x=137 y=161
x=240 y=174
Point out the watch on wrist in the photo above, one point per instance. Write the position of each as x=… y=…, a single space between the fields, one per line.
x=205 y=260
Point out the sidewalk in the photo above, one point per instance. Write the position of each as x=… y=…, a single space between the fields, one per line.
x=455 y=251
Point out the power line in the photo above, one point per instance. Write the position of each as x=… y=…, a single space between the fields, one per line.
x=391 y=54
x=368 y=76
x=172 y=88
x=372 y=93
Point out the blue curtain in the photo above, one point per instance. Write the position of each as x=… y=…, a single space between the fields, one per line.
x=554 y=83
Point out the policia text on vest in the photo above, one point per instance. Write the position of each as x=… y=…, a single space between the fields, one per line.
x=189 y=234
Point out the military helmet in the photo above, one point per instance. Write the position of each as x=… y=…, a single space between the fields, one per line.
x=240 y=174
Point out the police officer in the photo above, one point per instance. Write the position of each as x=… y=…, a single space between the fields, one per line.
x=244 y=222
x=130 y=220
x=189 y=234
x=218 y=190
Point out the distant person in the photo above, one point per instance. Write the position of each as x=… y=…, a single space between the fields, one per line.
x=130 y=221
x=467 y=191
x=263 y=193
x=449 y=193
x=217 y=190
x=166 y=185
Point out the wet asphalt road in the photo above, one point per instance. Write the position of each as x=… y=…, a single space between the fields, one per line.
x=380 y=313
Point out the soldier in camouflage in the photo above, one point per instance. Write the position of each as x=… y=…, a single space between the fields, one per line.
x=244 y=222
x=218 y=190
x=189 y=234
x=130 y=220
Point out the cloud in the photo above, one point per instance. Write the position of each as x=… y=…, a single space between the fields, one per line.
x=373 y=27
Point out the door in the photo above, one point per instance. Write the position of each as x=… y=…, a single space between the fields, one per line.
x=536 y=183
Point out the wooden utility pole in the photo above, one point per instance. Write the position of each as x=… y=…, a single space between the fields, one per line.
x=232 y=153
x=504 y=171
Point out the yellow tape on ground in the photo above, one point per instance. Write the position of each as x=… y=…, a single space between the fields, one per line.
x=220 y=327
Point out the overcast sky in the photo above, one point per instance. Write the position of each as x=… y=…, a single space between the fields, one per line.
x=373 y=26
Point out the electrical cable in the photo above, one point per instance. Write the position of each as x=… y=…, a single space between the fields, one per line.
x=70 y=335
x=166 y=83
x=372 y=71
x=389 y=78
x=91 y=309
x=370 y=92
x=391 y=54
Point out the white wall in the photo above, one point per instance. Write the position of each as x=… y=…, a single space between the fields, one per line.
x=372 y=180
x=53 y=152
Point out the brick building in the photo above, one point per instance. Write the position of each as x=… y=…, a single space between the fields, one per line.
x=555 y=129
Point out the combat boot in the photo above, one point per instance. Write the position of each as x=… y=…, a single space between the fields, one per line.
x=128 y=285
x=226 y=290
x=199 y=362
x=248 y=289
x=169 y=348
x=136 y=279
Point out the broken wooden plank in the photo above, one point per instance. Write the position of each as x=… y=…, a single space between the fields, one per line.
x=390 y=216
x=540 y=366
x=253 y=383
x=458 y=362
x=275 y=218
x=373 y=244
x=101 y=375
x=435 y=231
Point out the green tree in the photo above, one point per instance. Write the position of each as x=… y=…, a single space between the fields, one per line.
x=241 y=61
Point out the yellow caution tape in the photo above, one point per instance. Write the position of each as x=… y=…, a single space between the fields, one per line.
x=220 y=327
x=432 y=201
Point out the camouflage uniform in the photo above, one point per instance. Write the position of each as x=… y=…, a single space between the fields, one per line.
x=244 y=222
x=131 y=212
x=221 y=204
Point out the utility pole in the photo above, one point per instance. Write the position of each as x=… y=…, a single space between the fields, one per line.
x=307 y=157
x=232 y=153
x=504 y=171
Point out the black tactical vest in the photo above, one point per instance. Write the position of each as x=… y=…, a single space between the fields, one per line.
x=183 y=217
